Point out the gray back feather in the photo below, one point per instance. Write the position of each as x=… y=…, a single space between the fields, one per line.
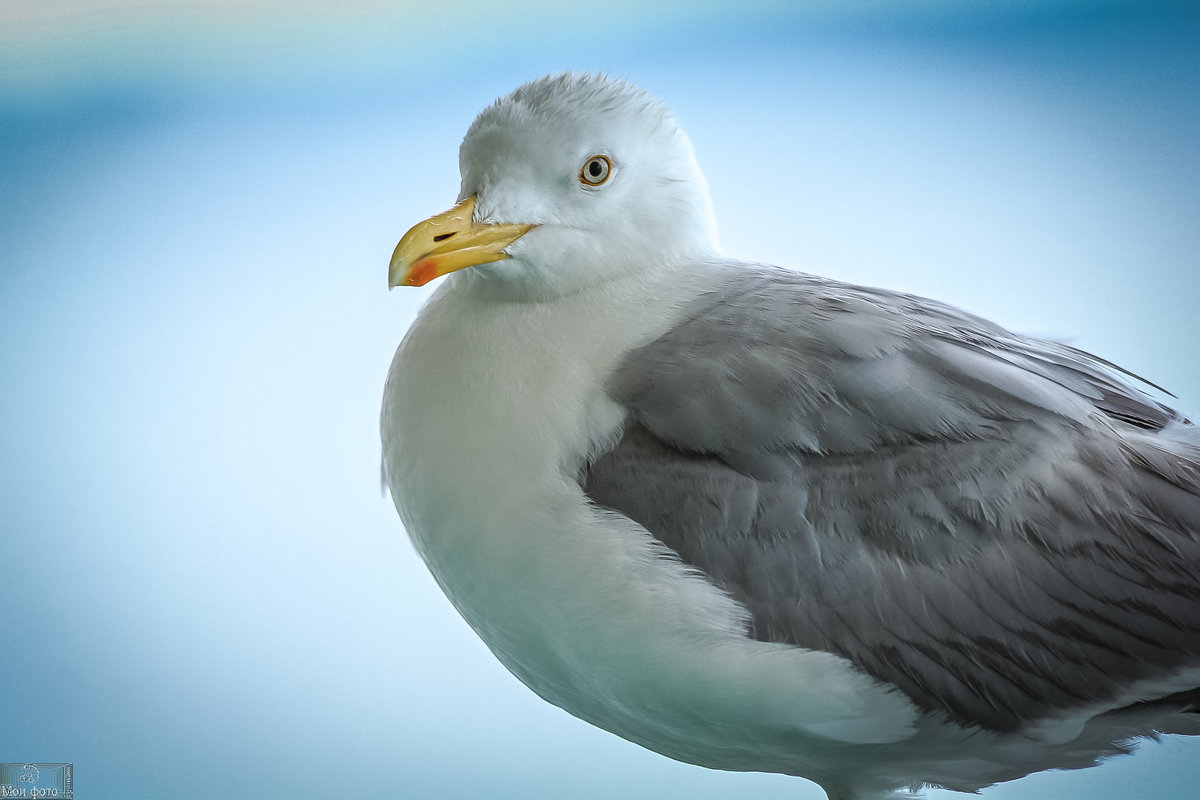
x=997 y=525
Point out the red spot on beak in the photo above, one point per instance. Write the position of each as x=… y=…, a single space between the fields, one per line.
x=422 y=272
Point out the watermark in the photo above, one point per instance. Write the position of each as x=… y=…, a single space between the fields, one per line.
x=36 y=781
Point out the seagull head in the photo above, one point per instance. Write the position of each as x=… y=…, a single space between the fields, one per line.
x=571 y=180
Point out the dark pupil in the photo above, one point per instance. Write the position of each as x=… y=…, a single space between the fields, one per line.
x=594 y=169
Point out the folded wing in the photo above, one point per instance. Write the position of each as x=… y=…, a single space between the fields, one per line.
x=1003 y=528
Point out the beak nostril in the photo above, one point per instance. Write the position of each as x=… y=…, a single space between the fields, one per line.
x=443 y=237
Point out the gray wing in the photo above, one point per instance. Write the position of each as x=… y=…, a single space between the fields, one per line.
x=999 y=526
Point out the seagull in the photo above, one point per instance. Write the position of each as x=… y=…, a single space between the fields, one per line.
x=759 y=520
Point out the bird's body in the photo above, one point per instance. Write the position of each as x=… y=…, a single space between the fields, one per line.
x=758 y=520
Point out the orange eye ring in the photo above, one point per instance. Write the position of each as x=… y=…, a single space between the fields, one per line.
x=595 y=171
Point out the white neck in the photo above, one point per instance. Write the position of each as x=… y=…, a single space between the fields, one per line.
x=478 y=378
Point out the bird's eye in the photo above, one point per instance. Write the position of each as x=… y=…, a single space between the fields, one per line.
x=595 y=170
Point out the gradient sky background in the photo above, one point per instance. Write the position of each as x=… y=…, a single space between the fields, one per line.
x=203 y=591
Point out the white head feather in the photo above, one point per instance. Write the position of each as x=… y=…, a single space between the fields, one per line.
x=522 y=158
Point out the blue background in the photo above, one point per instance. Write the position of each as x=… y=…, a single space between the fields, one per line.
x=203 y=591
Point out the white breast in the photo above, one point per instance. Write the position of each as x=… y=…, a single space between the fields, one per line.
x=490 y=409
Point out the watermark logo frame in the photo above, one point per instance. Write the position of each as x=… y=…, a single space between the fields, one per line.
x=34 y=780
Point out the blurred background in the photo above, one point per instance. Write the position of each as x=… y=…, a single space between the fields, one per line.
x=203 y=591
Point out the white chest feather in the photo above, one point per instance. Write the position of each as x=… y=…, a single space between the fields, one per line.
x=490 y=410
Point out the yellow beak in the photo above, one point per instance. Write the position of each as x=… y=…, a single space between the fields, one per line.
x=448 y=242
